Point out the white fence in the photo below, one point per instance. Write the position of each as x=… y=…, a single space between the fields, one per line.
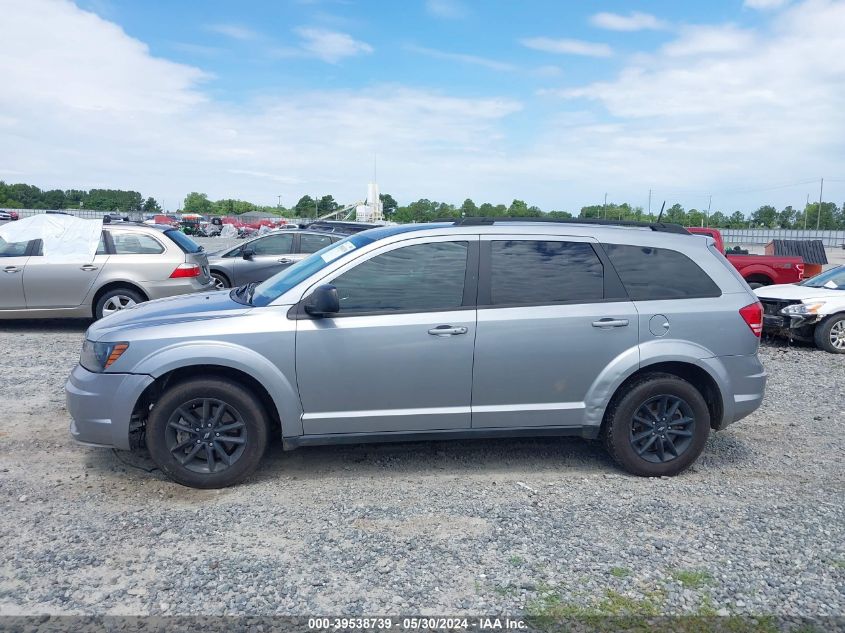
x=764 y=236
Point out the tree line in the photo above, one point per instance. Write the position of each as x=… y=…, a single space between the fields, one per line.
x=23 y=196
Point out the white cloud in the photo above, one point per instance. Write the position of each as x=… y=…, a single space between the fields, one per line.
x=706 y=40
x=462 y=58
x=234 y=31
x=448 y=9
x=567 y=46
x=331 y=46
x=765 y=4
x=634 y=21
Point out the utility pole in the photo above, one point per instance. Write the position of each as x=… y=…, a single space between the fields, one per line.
x=280 y=201
x=604 y=208
x=819 y=214
x=649 y=202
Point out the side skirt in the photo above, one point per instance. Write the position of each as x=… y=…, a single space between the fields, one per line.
x=290 y=443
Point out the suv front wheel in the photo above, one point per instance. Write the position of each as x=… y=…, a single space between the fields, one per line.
x=658 y=426
x=207 y=432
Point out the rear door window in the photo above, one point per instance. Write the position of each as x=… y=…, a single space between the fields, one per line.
x=12 y=249
x=131 y=243
x=650 y=274
x=544 y=272
x=311 y=243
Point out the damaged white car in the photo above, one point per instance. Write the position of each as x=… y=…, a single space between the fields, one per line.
x=812 y=310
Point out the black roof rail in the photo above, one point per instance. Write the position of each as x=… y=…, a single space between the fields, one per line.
x=662 y=227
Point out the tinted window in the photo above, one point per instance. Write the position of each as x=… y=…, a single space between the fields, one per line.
x=273 y=245
x=311 y=243
x=532 y=271
x=135 y=244
x=659 y=273
x=101 y=245
x=12 y=249
x=183 y=241
x=420 y=277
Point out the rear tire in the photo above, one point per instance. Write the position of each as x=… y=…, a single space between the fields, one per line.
x=207 y=432
x=116 y=299
x=650 y=442
x=829 y=335
x=221 y=281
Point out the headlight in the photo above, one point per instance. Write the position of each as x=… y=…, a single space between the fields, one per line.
x=99 y=356
x=802 y=308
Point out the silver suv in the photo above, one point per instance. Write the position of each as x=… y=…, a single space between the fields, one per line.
x=133 y=263
x=641 y=335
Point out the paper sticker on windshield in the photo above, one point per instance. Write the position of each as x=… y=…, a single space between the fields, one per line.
x=337 y=251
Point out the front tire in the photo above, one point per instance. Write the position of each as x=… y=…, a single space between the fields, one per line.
x=207 y=432
x=657 y=427
x=829 y=335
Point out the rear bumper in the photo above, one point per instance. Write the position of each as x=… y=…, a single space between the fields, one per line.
x=173 y=287
x=101 y=406
x=744 y=386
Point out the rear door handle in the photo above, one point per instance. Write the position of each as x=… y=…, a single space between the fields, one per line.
x=447 y=330
x=608 y=322
x=88 y=267
x=12 y=269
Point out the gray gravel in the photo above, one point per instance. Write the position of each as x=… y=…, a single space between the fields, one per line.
x=507 y=526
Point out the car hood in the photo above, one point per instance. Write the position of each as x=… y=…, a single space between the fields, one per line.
x=794 y=292
x=180 y=309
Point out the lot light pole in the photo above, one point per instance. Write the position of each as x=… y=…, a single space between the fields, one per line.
x=819 y=214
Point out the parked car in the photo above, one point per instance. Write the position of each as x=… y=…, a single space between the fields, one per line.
x=758 y=270
x=134 y=263
x=262 y=257
x=8 y=215
x=339 y=226
x=811 y=311
x=643 y=336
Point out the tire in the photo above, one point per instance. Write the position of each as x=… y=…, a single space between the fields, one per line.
x=198 y=460
x=624 y=433
x=754 y=285
x=117 y=299
x=221 y=281
x=829 y=335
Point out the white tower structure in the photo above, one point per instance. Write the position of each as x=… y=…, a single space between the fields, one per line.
x=373 y=209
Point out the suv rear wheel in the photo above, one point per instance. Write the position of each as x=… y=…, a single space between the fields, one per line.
x=658 y=427
x=207 y=432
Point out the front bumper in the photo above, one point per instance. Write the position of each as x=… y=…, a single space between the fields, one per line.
x=101 y=405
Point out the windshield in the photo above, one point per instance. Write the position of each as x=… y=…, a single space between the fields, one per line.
x=833 y=279
x=281 y=282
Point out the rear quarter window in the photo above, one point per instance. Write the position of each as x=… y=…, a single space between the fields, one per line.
x=650 y=274
x=183 y=241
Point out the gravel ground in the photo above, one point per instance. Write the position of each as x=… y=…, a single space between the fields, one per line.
x=550 y=527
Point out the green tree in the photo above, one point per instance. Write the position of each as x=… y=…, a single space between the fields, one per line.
x=388 y=204
x=151 y=206
x=765 y=216
x=786 y=218
x=737 y=220
x=197 y=203
x=469 y=209
x=305 y=207
x=327 y=204
x=718 y=220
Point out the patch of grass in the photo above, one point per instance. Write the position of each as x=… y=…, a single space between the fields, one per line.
x=620 y=572
x=692 y=578
x=516 y=561
x=506 y=590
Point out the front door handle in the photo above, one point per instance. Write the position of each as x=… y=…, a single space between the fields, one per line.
x=447 y=330
x=285 y=260
x=12 y=269
x=608 y=322
x=88 y=267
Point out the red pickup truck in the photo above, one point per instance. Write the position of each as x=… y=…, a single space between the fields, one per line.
x=758 y=270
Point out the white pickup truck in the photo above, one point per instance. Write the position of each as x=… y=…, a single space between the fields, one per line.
x=812 y=310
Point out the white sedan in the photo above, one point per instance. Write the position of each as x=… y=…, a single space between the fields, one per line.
x=812 y=310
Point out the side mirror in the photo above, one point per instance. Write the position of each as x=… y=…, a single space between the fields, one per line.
x=248 y=252
x=323 y=301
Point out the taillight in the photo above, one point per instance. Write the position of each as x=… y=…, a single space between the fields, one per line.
x=753 y=316
x=185 y=270
x=800 y=268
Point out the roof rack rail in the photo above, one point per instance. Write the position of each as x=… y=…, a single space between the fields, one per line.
x=661 y=227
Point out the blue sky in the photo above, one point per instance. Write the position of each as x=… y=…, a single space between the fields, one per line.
x=553 y=102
